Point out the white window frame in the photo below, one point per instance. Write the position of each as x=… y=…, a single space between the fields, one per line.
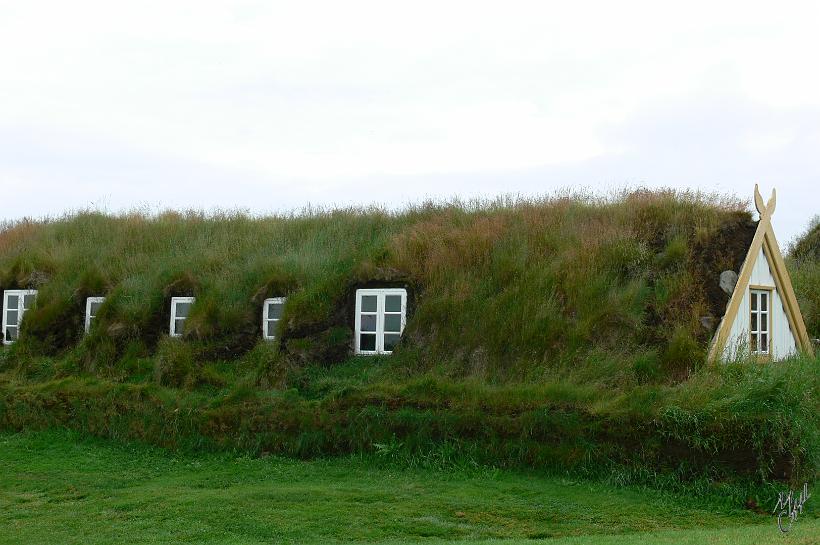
x=174 y=302
x=88 y=316
x=266 y=318
x=380 y=313
x=21 y=294
x=764 y=318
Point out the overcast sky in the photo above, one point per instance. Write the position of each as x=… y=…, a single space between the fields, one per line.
x=269 y=106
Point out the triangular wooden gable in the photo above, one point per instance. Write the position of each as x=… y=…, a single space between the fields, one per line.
x=764 y=239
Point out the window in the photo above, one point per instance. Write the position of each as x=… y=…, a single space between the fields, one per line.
x=759 y=324
x=380 y=319
x=15 y=305
x=92 y=306
x=180 y=309
x=271 y=314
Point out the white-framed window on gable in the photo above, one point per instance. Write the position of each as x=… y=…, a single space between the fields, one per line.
x=180 y=310
x=271 y=314
x=760 y=321
x=381 y=314
x=15 y=305
x=92 y=306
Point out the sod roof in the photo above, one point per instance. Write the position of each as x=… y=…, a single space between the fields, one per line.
x=498 y=289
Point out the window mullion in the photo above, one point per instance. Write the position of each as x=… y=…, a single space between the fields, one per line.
x=380 y=323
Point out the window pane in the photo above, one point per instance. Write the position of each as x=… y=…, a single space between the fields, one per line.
x=754 y=322
x=11 y=333
x=764 y=342
x=754 y=343
x=11 y=317
x=369 y=303
x=763 y=300
x=392 y=303
x=368 y=322
x=275 y=310
x=764 y=321
x=754 y=300
x=367 y=342
x=93 y=308
x=179 y=326
x=271 y=328
x=392 y=322
x=390 y=341
x=183 y=309
x=13 y=301
x=28 y=301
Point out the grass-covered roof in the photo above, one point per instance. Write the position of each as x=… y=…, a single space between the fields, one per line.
x=499 y=289
x=804 y=262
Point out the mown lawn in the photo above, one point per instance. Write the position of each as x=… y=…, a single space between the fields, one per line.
x=58 y=487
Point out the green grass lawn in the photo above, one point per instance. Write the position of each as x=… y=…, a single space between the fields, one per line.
x=58 y=487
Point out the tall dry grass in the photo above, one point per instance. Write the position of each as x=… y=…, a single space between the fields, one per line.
x=506 y=289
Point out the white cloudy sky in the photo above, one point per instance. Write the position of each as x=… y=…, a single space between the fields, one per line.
x=272 y=105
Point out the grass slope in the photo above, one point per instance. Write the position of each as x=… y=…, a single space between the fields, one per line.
x=58 y=487
x=732 y=427
x=804 y=265
x=502 y=290
x=565 y=332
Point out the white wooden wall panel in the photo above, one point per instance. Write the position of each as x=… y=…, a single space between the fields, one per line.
x=783 y=343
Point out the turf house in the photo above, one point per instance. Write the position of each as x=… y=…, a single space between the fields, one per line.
x=573 y=331
x=762 y=318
